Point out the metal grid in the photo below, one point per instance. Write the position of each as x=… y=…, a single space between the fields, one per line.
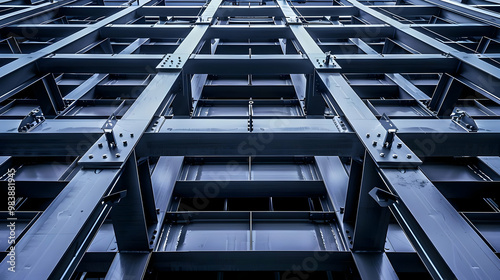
x=250 y=139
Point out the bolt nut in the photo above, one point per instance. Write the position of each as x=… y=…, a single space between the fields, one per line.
x=117 y=154
x=125 y=143
x=131 y=135
x=378 y=134
x=121 y=134
x=99 y=145
x=374 y=143
x=91 y=156
x=408 y=156
x=105 y=156
x=400 y=145
x=368 y=135
x=394 y=156
x=382 y=154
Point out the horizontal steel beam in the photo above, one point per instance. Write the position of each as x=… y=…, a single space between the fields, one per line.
x=253 y=188
x=405 y=262
x=431 y=138
x=248 y=64
x=250 y=261
x=145 y=31
x=410 y=63
x=30 y=11
x=191 y=137
x=350 y=31
x=99 y=63
x=47 y=138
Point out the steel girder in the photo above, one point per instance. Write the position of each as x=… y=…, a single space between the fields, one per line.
x=347 y=139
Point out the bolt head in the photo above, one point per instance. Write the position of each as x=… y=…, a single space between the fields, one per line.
x=394 y=156
x=400 y=145
x=378 y=134
x=382 y=154
x=99 y=145
x=91 y=156
x=408 y=156
x=368 y=135
x=117 y=154
x=125 y=143
x=104 y=156
x=374 y=143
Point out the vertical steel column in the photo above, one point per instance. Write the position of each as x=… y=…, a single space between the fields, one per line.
x=372 y=221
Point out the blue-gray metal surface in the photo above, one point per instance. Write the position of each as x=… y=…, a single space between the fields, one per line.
x=267 y=139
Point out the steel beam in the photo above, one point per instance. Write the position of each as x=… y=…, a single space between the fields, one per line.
x=253 y=188
x=20 y=70
x=434 y=138
x=271 y=137
x=58 y=239
x=48 y=139
x=30 y=11
x=448 y=246
x=250 y=261
x=128 y=214
x=477 y=14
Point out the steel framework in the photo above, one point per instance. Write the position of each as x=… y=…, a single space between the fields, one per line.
x=245 y=139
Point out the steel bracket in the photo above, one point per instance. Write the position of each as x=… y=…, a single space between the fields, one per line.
x=114 y=197
x=464 y=120
x=391 y=130
x=323 y=61
x=126 y=134
x=108 y=131
x=383 y=198
x=32 y=120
